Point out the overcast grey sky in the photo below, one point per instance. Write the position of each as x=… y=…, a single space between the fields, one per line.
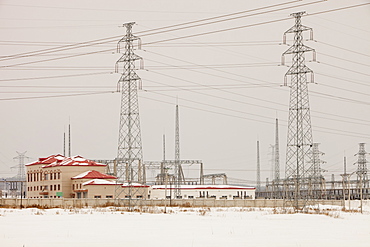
x=228 y=83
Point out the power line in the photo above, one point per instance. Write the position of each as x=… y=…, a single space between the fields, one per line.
x=52 y=77
x=58 y=58
x=256 y=24
x=326 y=130
x=55 y=96
x=93 y=42
x=339 y=67
x=342 y=48
x=343 y=59
x=275 y=103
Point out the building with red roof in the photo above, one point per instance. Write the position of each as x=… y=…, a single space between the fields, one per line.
x=56 y=175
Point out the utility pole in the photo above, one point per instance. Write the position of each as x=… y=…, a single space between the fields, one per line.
x=178 y=177
x=345 y=183
x=258 y=189
x=64 y=143
x=277 y=152
x=276 y=179
x=129 y=158
x=299 y=140
x=69 y=139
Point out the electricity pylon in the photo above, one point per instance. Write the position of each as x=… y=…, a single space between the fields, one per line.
x=362 y=176
x=317 y=179
x=129 y=158
x=299 y=141
x=21 y=175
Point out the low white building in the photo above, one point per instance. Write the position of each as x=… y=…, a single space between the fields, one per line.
x=228 y=192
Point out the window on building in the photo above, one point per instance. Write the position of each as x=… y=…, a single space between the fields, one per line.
x=51 y=187
x=73 y=186
x=190 y=197
x=46 y=187
x=58 y=175
x=58 y=186
x=55 y=175
x=108 y=196
x=97 y=196
x=46 y=176
x=55 y=187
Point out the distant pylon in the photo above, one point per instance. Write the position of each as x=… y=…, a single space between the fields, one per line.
x=258 y=188
x=361 y=172
x=316 y=163
x=299 y=141
x=21 y=175
x=129 y=158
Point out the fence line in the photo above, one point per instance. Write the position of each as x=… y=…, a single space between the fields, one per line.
x=101 y=202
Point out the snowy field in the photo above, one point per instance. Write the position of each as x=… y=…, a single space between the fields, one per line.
x=182 y=227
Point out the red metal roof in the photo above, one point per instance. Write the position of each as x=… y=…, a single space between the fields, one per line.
x=94 y=175
x=60 y=160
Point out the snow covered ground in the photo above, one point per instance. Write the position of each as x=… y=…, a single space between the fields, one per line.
x=182 y=227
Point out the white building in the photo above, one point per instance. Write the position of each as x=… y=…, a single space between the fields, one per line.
x=228 y=192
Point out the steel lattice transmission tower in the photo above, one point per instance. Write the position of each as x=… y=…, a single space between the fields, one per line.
x=21 y=175
x=317 y=179
x=362 y=176
x=130 y=157
x=299 y=141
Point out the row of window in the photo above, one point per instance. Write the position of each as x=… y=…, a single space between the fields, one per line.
x=54 y=187
x=45 y=197
x=39 y=176
x=76 y=186
x=107 y=196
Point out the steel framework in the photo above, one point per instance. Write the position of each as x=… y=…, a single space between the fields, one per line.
x=129 y=165
x=179 y=177
x=299 y=140
x=21 y=175
x=362 y=176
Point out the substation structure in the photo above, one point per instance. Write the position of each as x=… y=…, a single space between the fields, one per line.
x=354 y=189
